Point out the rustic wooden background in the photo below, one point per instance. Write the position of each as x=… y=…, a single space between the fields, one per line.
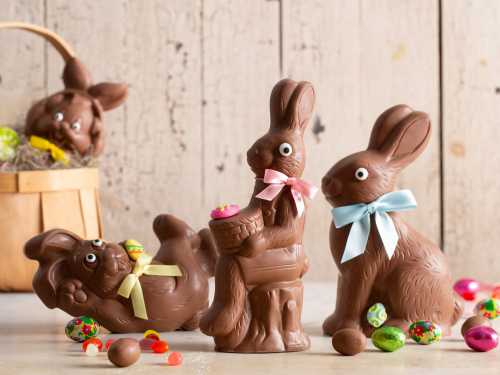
x=200 y=74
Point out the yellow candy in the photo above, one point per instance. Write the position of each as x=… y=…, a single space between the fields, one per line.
x=134 y=249
x=44 y=145
x=151 y=332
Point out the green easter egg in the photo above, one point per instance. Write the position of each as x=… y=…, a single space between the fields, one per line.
x=9 y=140
x=376 y=315
x=388 y=339
x=81 y=328
x=425 y=332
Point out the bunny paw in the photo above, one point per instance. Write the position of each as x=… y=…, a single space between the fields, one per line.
x=72 y=297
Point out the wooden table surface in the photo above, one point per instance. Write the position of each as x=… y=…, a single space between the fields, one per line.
x=32 y=341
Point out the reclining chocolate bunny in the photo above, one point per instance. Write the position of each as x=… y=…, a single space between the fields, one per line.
x=258 y=288
x=92 y=277
x=380 y=257
x=71 y=118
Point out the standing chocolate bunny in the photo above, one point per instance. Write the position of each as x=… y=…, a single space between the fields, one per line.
x=380 y=257
x=258 y=292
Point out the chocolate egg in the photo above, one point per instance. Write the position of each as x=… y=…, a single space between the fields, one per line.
x=481 y=339
x=124 y=352
x=489 y=308
x=376 y=315
x=474 y=321
x=81 y=328
x=349 y=341
x=424 y=332
x=389 y=339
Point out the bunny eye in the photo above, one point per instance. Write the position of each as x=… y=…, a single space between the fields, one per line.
x=90 y=258
x=58 y=116
x=76 y=126
x=361 y=174
x=97 y=242
x=285 y=149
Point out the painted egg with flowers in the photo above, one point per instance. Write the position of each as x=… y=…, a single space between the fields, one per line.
x=425 y=332
x=81 y=328
x=489 y=308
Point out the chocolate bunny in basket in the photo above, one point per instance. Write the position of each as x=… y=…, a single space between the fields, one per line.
x=122 y=287
x=380 y=257
x=258 y=288
x=72 y=118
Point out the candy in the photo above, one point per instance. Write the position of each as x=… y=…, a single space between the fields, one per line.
x=425 y=332
x=146 y=344
x=489 y=308
x=134 y=249
x=108 y=344
x=174 y=359
x=224 y=211
x=496 y=292
x=474 y=321
x=376 y=315
x=124 y=352
x=81 y=328
x=349 y=341
x=467 y=288
x=92 y=341
x=160 y=346
x=9 y=140
x=481 y=339
x=92 y=350
x=388 y=339
x=151 y=334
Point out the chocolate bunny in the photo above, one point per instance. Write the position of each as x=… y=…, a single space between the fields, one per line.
x=71 y=118
x=258 y=288
x=414 y=283
x=85 y=277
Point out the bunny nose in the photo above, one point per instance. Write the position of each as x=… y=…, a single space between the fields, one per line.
x=331 y=186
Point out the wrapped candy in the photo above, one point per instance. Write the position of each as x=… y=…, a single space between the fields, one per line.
x=425 y=332
x=489 y=308
x=9 y=140
x=389 y=339
x=81 y=328
x=376 y=315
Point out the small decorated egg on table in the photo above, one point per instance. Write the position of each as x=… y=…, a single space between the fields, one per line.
x=425 y=332
x=474 y=321
x=389 y=339
x=467 y=288
x=134 y=249
x=81 y=328
x=376 y=315
x=489 y=308
x=224 y=211
x=481 y=339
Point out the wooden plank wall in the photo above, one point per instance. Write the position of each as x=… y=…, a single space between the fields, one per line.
x=200 y=74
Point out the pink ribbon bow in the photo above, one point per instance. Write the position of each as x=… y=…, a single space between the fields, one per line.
x=277 y=181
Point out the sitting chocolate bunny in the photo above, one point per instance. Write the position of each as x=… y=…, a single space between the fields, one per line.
x=258 y=288
x=101 y=279
x=379 y=256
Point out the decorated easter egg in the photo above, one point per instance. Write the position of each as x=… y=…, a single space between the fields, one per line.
x=388 y=339
x=376 y=315
x=467 y=288
x=224 y=211
x=481 y=338
x=489 y=308
x=425 y=332
x=81 y=328
x=134 y=249
x=9 y=140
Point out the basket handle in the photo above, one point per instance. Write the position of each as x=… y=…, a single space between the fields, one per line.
x=55 y=40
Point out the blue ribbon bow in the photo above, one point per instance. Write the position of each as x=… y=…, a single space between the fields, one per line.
x=359 y=216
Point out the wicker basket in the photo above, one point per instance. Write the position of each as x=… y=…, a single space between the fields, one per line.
x=231 y=232
x=35 y=201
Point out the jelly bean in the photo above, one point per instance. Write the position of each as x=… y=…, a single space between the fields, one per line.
x=174 y=359
x=81 y=328
x=376 y=315
x=388 y=339
x=151 y=334
x=481 y=339
x=146 y=344
x=92 y=350
x=108 y=344
x=425 y=332
x=92 y=341
x=467 y=288
x=489 y=308
x=160 y=346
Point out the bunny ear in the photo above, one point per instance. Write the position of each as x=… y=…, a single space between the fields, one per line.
x=386 y=123
x=50 y=249
x=407 y=140
x=291 y=104
x=109 y=95
x=76 y=76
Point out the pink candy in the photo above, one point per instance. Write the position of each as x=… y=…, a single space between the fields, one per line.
x=225 y=211
x=481 y=338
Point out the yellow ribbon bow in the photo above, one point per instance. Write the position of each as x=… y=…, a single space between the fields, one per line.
x=131 y=286
x=44 y=145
